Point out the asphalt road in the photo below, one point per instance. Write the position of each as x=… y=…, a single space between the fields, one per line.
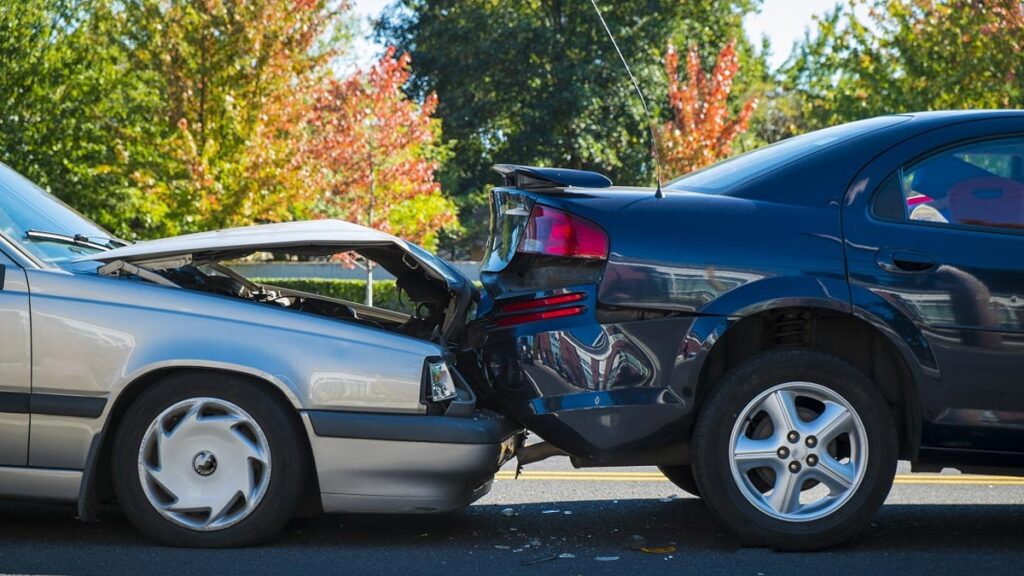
x=554 y=521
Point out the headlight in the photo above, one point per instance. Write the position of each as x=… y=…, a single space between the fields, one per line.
x=442 y=386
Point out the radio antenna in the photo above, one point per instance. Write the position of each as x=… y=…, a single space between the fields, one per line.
x=643 y=101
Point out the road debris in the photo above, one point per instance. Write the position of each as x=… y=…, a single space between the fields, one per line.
x=658 y=549
x=552 y=511
x=606 y=558
x=670 y=498
x=566 y=555
x=539 y=560
x=508 y=512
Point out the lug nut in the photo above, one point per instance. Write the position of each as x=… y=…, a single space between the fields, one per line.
x=812 y=460
x=811 y=441
x=783 y=452
x=794 y=466
x=793 y=436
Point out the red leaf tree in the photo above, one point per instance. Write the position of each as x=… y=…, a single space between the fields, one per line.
x=378 y=152
x=701 y=130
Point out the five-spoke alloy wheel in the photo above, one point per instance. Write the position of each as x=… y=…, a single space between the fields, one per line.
x=795 y=449
x=208 y=459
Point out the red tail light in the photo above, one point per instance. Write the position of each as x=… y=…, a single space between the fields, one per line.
x=535 y=316
x=541 y=302
x=557 y=233
x=525 y=311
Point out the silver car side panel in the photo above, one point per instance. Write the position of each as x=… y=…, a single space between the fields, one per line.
x=40 y=483
x=15 y=363
x=383 y=476
x=93 y=336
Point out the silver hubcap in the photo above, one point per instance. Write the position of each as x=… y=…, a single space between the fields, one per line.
x=204 y=464
x=799 y=451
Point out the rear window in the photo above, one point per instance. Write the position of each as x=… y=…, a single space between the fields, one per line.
x=730 y=173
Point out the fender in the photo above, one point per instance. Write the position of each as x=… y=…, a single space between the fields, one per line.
x=712 y=321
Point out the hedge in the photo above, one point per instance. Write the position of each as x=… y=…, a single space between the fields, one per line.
x=385 y=294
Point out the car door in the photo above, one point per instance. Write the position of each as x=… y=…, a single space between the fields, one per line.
x=937 y=231
x=15 y=363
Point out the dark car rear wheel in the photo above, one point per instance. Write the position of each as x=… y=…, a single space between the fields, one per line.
x=795 y=450
x=682 y=477
x=208 y=460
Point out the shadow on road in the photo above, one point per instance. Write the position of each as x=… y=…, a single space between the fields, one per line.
x=589 y=527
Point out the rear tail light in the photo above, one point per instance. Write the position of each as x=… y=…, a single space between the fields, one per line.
x=525 y=311
x=556 y=233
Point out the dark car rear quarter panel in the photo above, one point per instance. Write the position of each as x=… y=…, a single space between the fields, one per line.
x=623 y=392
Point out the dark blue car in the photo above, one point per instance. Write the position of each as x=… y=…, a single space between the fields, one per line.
x=775 y=331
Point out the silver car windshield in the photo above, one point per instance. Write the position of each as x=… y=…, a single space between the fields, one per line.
x=728 y=174
x=42 y=224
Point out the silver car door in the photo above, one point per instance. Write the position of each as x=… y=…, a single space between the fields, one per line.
x=15 y=364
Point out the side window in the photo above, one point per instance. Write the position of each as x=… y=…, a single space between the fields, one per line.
x=978 y=184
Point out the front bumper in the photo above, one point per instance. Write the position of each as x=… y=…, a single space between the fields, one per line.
x=406 y=463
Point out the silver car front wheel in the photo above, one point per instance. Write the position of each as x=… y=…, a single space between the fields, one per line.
x=210 y=459
x=204 y=464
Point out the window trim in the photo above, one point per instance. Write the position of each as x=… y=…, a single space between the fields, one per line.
x=18 y=253
x=940 y=225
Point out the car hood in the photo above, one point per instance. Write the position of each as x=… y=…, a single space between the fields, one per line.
x=308 y=236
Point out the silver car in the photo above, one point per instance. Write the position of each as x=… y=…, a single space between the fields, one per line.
x=214 y=408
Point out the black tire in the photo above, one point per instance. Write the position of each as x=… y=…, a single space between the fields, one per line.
x=284 y=435
x=713 y=453
x=682 y=477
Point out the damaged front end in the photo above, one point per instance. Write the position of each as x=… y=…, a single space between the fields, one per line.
x=437 y=295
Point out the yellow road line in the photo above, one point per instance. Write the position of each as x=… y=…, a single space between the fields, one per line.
x=610 y=476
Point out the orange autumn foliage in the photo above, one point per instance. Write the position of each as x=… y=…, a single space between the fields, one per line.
x=701 y=131
x=378 y=152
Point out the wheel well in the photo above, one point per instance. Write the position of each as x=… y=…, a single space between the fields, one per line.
x=841 y=335
x=97 y=485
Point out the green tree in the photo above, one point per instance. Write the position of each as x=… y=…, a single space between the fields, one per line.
x=537 y=82
x=236 y=79
x=909 y=55
x=73 y=117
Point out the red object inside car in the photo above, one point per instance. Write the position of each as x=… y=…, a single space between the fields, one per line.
x=989 y=201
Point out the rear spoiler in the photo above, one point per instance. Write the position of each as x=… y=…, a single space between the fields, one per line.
x=533 y=178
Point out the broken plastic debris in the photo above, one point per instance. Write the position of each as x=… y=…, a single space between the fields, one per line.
x=567 y=512
x=502 y=547
x=658 y=549
x=540 y=560
x=670 y=498
x=553 y=511
x=566 y=555
x=508 y=512
x=606 y=558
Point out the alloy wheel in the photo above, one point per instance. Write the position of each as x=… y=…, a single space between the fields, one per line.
x=799 y=451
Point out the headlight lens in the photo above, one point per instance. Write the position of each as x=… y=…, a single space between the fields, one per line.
x=442 y=386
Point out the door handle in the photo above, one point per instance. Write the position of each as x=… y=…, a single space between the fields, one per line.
x=905 y=261
x=3 y=275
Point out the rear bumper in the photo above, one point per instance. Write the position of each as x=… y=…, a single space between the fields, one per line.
x=392 y=463
x=607 y=394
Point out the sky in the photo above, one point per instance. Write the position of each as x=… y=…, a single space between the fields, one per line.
x=782 y=21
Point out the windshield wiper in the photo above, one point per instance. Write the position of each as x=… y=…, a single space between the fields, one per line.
x=74 y=240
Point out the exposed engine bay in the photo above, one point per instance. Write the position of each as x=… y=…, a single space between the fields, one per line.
x=433 y=305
